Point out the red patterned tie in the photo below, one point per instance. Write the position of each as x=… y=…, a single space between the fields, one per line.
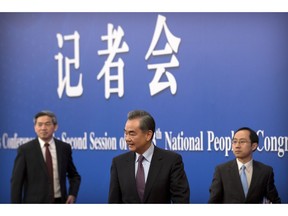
x=49 y=165
x=140 y=178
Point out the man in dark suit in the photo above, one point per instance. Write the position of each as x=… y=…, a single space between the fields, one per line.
x=227 y=185
x=31 y=181
x=165 y=178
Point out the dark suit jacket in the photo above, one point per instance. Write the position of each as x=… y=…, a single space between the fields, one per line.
x=166 y=181
x=227 y=188
x=30 y=182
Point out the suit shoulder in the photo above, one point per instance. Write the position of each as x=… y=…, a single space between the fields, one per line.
x=123 y=156
x=167 y=153
x=261 y=165
x=28 y=145
x=226 y=164
x=60 y=141
x=65 y=144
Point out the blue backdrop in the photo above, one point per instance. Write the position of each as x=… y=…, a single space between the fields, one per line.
x=201 y=75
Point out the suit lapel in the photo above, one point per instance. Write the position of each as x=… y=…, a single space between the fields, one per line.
x=40 y=156
x=59 y=155
x=235 y=177
x=130 y=160
x=254 y=178
x=154 y=171
x=131 y=168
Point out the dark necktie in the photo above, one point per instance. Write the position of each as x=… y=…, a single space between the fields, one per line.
x=49 y=165
x=244 y=180
x=140 y=178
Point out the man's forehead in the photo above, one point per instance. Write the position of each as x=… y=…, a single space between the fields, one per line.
x=242 y=133
x=132 y=124
x=43 y=119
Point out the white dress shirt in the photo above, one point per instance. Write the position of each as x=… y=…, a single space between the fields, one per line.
x=248 y=170
x=52 y=148
x=146 y=162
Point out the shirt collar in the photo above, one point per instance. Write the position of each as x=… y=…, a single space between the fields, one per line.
x=42 y=143
x=248 y=165
x=147 y=154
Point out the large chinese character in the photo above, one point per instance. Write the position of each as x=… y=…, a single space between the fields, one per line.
x=170 y=48
x=113 y=39
x=64 y=80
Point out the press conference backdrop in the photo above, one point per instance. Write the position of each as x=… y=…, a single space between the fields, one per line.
x=201 y=75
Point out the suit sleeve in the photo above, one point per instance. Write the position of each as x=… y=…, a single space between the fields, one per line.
x=272 y=193
x=18 y=176
x=73 y=175
x=114 y=189
x=216 y=188
x=179 y=187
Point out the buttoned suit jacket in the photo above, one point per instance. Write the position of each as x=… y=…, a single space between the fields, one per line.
x=166 y=181
x=30 y=182
x=226 y=185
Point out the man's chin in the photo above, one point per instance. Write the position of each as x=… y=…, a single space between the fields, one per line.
x=45 y=138
x=132 y=148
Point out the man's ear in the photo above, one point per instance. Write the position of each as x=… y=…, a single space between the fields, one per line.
x=254 y=146
x=56 y=127
x=149 y=135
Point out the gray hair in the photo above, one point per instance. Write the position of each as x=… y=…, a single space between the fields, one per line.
x=46 y=113
x=146 y=120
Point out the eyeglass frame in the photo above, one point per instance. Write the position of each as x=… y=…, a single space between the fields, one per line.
x=240 y=141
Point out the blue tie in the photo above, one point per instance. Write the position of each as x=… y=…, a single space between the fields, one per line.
x=244 y=180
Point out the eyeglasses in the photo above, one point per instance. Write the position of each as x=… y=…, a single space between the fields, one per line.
x=241 y=142
x=47 y=124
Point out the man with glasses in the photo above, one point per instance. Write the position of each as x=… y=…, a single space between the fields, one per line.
x=42 y=166
x=243 y=180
